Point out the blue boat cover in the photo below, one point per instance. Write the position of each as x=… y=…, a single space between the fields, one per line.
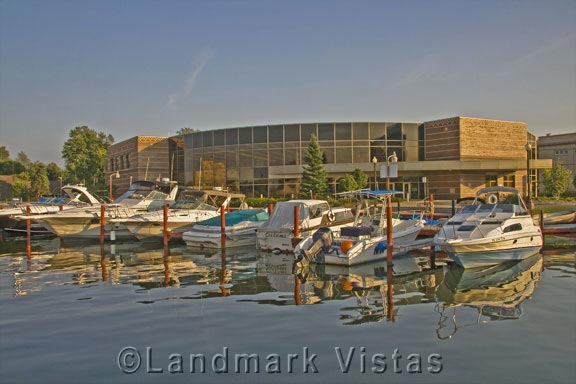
x=236 y=217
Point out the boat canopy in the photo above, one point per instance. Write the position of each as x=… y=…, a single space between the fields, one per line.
x=496 y=189
x=236 y=217
x=283 y=214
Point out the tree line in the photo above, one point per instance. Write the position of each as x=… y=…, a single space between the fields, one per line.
x=84 y=154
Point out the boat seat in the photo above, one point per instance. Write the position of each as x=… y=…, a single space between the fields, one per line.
x=355 y=231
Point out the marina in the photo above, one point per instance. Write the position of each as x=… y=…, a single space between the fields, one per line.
x=97 y=300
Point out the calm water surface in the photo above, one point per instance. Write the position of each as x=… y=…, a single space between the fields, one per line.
x=69 y=312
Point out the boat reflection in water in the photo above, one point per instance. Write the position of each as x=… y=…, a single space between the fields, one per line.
x=366 y=293
x=493 y=292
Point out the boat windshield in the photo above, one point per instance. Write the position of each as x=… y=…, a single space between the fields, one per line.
x=471 y=208
x=142 y=191
x=484 y=208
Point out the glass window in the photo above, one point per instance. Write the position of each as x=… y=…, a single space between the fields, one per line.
x=360 y=131
x=343 y=131
x=260 y=134
x=328 y=155
x=292 y=132
x=509 y=181
x=361 y=154
x=276 y=134
x=207 y=139
x=377 y=131
x=343 y=155
x=260 y=158
x=292 y=154
x=491 y=180
x=219 y=137
x=307 y=131
x=246 y=174
x=276 y=154
x=232 y=136
x=245 y=136
x=394 y=132
x=231 y=159
x=326 y=131
x=197 y=140
x=245 y=155
x=188 y=141
x=261 y=173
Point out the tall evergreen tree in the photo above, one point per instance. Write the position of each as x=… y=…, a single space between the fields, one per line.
x=314 y=177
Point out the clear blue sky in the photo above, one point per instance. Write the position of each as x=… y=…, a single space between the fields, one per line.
x=152 y=67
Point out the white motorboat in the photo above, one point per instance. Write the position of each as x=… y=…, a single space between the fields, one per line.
x=277 y=235
x=191 y=207
x=240 y=230
x=72 y=196
x=84 y=223
x=497 y=227
x=359 y=243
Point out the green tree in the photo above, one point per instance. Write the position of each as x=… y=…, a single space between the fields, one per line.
x=186 y=130
x=53 y=171
x=19 y=190
x=11 y=167
x=556 y=180
x=361 y=178
x=314 y=177
x=84 y=154
x=4 y=154
x=39 y=184
x=23 y=158
x=347 y=183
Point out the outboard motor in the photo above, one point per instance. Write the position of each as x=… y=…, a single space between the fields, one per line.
x=321 y=241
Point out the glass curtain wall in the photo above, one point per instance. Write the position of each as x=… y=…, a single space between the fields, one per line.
x=241 y=158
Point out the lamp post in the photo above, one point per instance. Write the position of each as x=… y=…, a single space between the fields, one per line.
x=528 y=148
x=390 y=159
x=375 y=161
x=117 y=176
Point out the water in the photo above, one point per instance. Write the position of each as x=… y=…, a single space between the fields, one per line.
x=68 y=314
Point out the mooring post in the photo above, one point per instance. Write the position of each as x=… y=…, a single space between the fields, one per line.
x=166 y=233
x=389 y=243
x=223 y=267
x=541 y=219
x=270 y=208
x=102 y=222
x=296 y=221
x=390 y=293
x=28 y=231
x=453 y=207
x=103 y=262
x=297 y=296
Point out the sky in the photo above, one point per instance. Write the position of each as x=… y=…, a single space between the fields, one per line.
x=150 y=67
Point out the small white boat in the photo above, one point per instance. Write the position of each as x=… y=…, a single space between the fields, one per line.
x=360 y=243
x=277 y=235
x=499 y=230
x=191 y=207
x=240 y=230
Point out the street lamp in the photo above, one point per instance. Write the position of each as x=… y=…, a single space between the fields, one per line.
x=375 y=161
x=528 y=148
x=390 y=159
x=117 y=176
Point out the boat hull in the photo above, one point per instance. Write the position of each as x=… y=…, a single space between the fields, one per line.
x=482 y=259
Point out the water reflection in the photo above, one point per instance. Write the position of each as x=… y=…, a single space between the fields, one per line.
x=369 y=293
x=495 y=293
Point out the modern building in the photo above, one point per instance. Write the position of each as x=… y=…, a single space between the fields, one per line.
x=450 y=158
x=559 y=148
